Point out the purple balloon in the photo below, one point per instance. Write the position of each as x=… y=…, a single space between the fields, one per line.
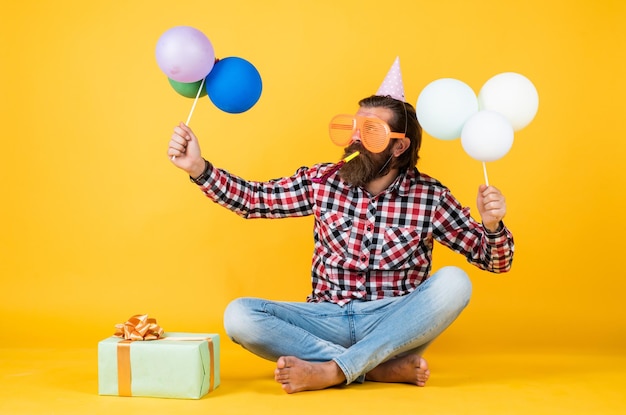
x=185 y=54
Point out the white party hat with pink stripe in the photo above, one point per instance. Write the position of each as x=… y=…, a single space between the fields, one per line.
x=392 y=85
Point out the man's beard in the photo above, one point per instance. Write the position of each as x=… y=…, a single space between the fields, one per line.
x=366 y=167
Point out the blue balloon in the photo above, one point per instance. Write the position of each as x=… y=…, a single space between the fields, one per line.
x=234 y=85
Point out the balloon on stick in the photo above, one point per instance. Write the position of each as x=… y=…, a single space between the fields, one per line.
x=444 y=106
x=487 y=136
x=234 y=85
x=185 y=54
x=512 y=95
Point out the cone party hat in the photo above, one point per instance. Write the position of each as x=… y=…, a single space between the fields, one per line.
x=392 y=84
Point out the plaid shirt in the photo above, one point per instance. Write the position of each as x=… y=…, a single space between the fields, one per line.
x=367 y=247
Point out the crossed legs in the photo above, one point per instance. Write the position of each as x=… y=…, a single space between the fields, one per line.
x=318 y=345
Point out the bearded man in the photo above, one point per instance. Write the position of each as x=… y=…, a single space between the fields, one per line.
x=375 y=304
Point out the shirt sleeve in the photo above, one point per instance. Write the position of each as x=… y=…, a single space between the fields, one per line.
x=279 y=198
x=454 y=227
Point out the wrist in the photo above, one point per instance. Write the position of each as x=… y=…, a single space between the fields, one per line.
x=197 y=168
x=199 y=174
x=493 y=227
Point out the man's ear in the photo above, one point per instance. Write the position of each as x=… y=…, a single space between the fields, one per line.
x=401 y=146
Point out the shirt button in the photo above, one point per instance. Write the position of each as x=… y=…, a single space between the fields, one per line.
x=369 y=227
x=363 y=258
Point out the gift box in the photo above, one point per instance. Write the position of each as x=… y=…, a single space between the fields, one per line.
x=174 y=365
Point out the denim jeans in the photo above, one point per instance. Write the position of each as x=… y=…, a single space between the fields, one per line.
x=358 y=336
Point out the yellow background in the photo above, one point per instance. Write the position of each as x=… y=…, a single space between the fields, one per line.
x=97 y=225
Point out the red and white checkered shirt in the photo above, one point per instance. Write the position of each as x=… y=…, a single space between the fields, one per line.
x=367 y=247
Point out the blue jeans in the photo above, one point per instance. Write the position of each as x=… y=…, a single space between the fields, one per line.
x=358 y=336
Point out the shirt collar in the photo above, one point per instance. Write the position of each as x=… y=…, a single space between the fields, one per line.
x=403 y=183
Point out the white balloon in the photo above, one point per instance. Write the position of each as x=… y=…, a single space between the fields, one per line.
x=487 y=136
x=443 y=106
x=512 y=95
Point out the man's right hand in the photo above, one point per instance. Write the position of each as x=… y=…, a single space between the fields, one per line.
x=184 y=151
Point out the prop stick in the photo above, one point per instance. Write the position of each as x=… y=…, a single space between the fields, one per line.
x=485 y=173
x=193 y=107
x=334 y=168
x=195 y=101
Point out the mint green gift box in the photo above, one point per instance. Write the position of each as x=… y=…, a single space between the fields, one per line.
x=175 y=366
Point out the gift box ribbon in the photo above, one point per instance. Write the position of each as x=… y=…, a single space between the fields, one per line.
x=138 y=328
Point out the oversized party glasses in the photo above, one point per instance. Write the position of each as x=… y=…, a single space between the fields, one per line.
x=374 y=133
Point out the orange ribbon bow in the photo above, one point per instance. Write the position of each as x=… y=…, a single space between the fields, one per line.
x=139 y=327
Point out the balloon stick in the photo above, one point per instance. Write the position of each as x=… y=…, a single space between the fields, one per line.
x=195 y=101
x=485 y=173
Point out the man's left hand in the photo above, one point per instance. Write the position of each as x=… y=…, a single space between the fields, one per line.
x=491 y=206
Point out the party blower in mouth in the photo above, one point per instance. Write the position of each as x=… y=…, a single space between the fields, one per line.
x=336 y=167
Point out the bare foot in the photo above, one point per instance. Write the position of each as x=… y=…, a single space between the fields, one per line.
x=411 y=369
x=297 y=375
